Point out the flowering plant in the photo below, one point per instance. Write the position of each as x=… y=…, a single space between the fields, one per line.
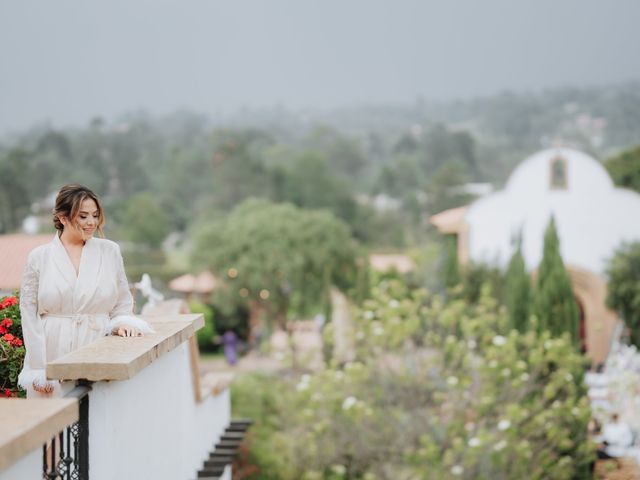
x=11 y=347
x=435 y=389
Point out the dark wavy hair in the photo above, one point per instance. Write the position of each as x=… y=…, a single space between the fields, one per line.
x=68 y=202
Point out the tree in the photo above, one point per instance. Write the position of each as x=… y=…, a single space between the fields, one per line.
x=239 y=171
x=518 y=294
x=623 y=272
x=625 y=168
x=442 y=146
x=144 y=221
x=556 y=306
x=344 y=154
x=450 y=266
x=14 y=193
x=442 y=189
x=310 y=183
x=277 y=256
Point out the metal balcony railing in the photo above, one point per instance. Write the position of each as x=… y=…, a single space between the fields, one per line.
x=66 y=455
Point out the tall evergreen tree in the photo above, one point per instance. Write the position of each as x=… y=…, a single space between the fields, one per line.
x=518 y=290
x=555 y=303
x=451 y=268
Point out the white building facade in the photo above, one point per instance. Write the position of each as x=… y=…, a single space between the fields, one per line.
x=593 y=218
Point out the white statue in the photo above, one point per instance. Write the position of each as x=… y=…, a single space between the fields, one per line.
x=144 y=286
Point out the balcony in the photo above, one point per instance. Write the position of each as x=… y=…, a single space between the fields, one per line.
x=140 y=408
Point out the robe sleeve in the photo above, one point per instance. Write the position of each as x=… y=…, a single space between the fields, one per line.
x=35 y=360
x=122 y=313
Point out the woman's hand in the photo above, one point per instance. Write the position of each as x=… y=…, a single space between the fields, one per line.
x=126 y=331
x=45 y=389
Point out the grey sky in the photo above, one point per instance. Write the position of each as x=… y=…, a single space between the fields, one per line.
x=66 y=61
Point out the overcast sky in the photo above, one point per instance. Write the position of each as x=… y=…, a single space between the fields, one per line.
x=66 y=61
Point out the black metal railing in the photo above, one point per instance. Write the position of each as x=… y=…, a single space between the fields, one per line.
x=66 y=456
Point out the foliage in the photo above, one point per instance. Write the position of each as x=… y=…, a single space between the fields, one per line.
x=442 y=193
x=382 y=229
x=309 y=183
x=207 y=333
x=518 y=291
x=436 y=391
x=344 y=154
x=190 y=168
x=278 y=255
x=623 y=272
x=14 y=192
x=450 y=267
x=239 y=171
x=555 y=304
x=260 y=397
x=478 y=275
x=11 y=347
x=145 y=222
x=624 y=168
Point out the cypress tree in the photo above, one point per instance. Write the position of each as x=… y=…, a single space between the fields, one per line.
x=555 y=303
x=451 y=266
x=518 y=291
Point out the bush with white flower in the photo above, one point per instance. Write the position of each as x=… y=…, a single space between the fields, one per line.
x=446 y=392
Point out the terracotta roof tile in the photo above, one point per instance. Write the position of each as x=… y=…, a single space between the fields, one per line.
x=205 y=282
x=14 y=250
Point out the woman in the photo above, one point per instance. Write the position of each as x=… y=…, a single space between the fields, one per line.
x=74 y=290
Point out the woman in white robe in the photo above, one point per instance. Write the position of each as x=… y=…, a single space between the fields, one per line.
x=74 y=290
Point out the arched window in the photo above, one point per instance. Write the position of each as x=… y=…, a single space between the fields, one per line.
x=558 y=173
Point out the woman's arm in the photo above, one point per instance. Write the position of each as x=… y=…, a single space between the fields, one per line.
x=123 y=322
x=33 y=372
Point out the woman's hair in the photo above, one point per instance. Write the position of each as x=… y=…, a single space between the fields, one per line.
x=68 y=202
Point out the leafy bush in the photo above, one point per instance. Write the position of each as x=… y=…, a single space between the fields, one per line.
x=437 y=390
x=207 y=333
x=11 y=347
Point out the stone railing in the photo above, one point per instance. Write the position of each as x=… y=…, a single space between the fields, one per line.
x=149 y=414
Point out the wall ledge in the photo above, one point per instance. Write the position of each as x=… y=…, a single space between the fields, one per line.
x=28 y=424
x=121 y=358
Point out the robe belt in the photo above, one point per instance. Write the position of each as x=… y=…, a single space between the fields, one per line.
x=78 y=318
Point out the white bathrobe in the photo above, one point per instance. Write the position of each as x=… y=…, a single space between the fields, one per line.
x=61 y=312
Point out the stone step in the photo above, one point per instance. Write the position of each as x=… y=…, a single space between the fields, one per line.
x=237 y=428
x=224 y=451
x=222 y=457
x=228 y=444
x=219 y=462
x=211 y=472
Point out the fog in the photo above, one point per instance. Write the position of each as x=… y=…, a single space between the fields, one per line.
x=65 y=62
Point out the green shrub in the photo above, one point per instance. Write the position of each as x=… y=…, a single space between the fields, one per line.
x=437 y=390
x=206 y=334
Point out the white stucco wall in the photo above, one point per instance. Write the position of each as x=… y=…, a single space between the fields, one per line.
x=592 y=216
x=29 y=466
x=147 y=427
x=150 y=426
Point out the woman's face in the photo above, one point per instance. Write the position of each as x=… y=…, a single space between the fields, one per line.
x=85 y=223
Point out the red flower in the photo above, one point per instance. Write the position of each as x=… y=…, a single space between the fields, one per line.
x=7 y=393
x=3 y=329
x=7 y=322
x=17 y=342
x=8 y=302
x=8 y=337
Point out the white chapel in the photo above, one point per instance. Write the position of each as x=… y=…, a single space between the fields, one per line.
x=593 y=218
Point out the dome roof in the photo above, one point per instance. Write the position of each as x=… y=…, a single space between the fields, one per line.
x=559 y=169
